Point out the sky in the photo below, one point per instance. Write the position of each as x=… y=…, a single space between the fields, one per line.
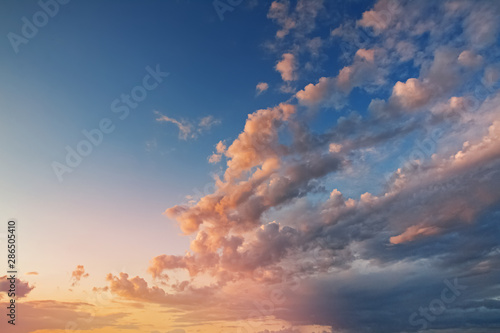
x=251 y=166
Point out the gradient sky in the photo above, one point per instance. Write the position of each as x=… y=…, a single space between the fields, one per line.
x=306 y=166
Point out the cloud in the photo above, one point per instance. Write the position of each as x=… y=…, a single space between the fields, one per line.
x=380 y=17
x=22 y=288
x=314 y=46
x=287 y=67
x=438 y=78
x=300 y=20
x=188 y=130
x=411 y=95
x=32 y=273
x=77 y=275
x=375 y=207
x=53 y=315
x=324 y=90
x=491 y=75
x=206 y=123
x=413 y=232
x=220 y=149
x=284 y=330
x=185 y=129
x=333 y=91
x=261 y=87
x=279 y=12
x=368 y=55
x=481 y=24
x=256 y=146
x=470 y=59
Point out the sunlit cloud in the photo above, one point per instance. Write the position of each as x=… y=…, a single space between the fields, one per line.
x=78 y=274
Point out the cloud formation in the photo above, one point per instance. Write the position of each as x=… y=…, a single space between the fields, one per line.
x=358 y=224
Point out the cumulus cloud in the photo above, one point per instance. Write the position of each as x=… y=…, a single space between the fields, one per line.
x=333 y=91
x=411 y=94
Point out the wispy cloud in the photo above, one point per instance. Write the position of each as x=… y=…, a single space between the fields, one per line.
x=189 y=129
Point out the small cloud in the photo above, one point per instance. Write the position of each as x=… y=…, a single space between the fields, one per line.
x=287 y=67
x=22 y=288
x=368 y=55
x=188 y=130
x=220 y=149
x=77 y=275
x=185 y=129
x=338 y=32
x=207 y=123
x=286 y=88
x=335 y=148
x=261 y=87
x=151 y=145
x=32 y=273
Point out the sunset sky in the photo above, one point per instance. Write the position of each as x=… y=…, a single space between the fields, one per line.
x=250 y=166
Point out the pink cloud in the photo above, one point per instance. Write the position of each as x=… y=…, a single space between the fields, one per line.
x=77 y=275
x=261 y=87
x=287 y=67
x=22 y=288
